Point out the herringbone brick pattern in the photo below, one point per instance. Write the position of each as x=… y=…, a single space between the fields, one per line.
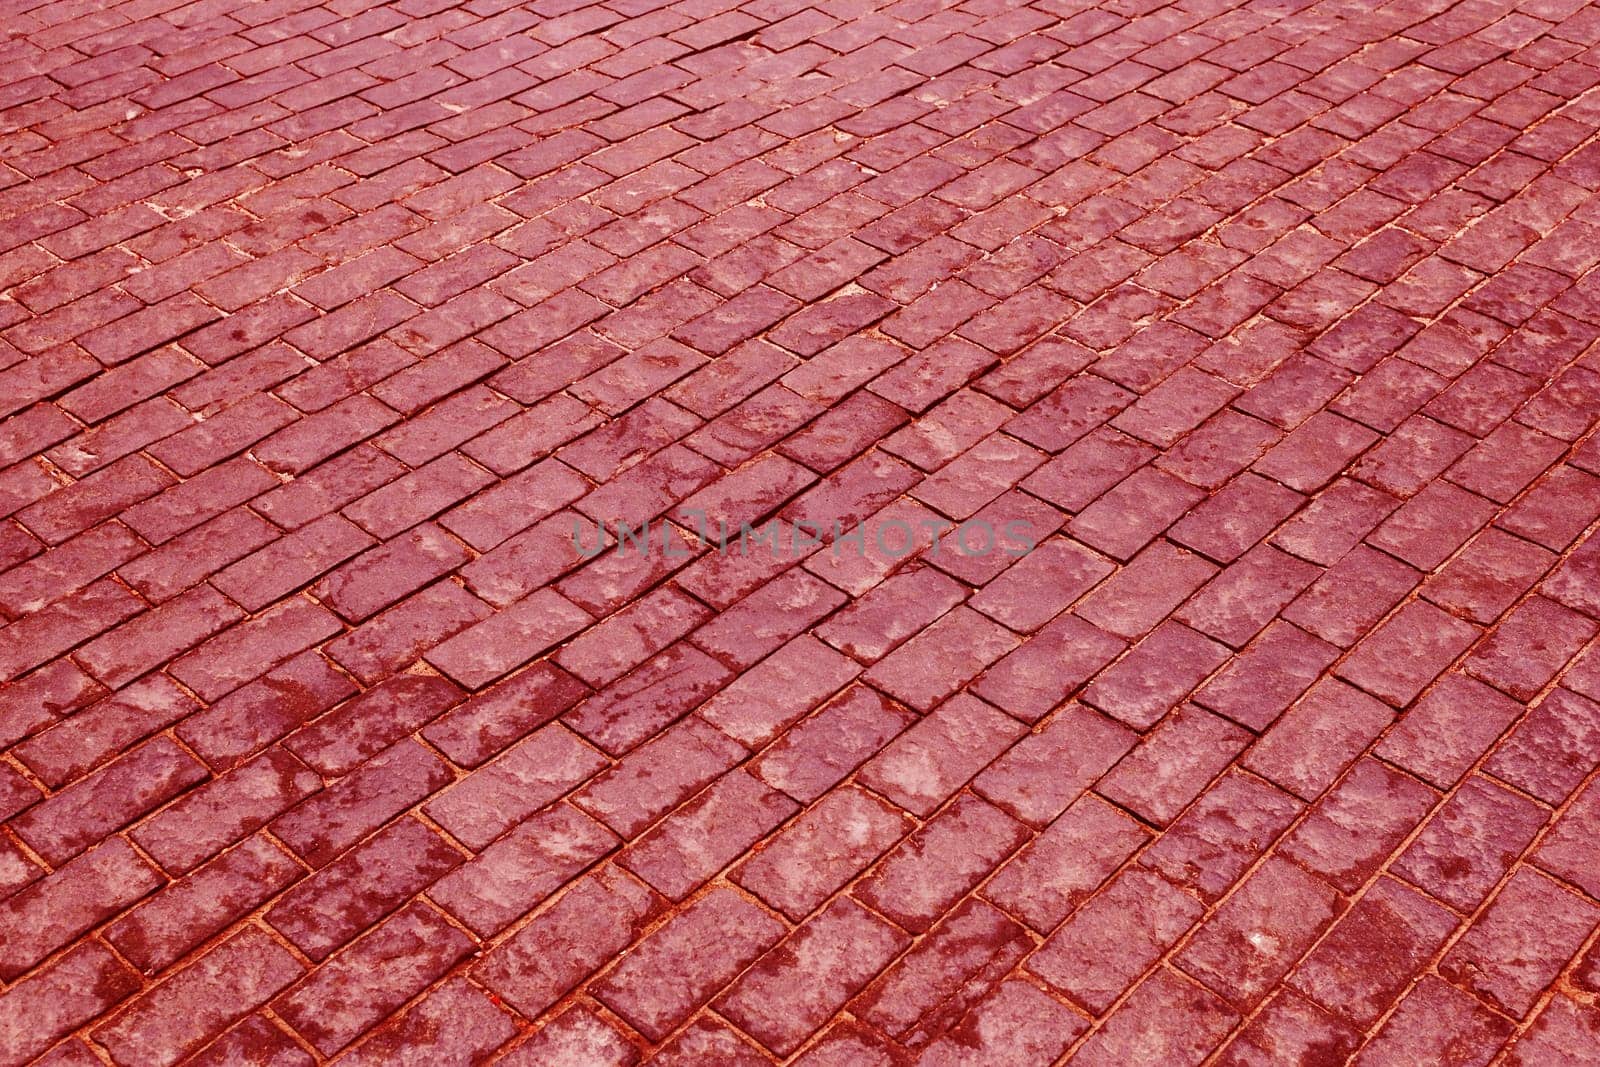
x=1271 y=324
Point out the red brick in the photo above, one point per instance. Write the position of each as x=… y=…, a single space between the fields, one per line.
x=1432 y=525
x=1399 y=659
x=1314 y=741
x=505 y=641
x=601 y=914
x=165 y=928
x=455 y=1022
x=80 y=742
x=1053 y=875
x=225 y=810
x=1167 y=1017
x=342 y=740
x=1470 y=842
x=821 y=851
x=1562 y=1033
x=1335 y=522
x=1433 y=1022
x=1228 y=954
x=1257 y=686
x=687 y=848
x=1556 y=509
x=398 y=635
x=1173 y=764
x=154 y=638
x=81 y=894
x=1017 y=1023
x=1155 y=676
x=251 y=648
x=337 y=818
x=418 y=495
x=638 y=989
x=1568 y=851
x=522 y=869
x=383 y=969
x=262 y=711
x=328 y=487
x=1447 y=730
x=1515 y=949
x=253 y=1040
x=658 y=776
x=1290 y=1026
x=1144 y=306
x=197 y=1003
x=498 y=512
x=922 y=878
x=1488 y=576
x=541 y=767
x=942 y=658
x=120 y=792
x=768 y=618
x=302 y=445
x=1135 y=599
x=1047 y=667
x=928 y=763
x=83 y=983
x=106 y=492
x=817 y=753
x=576 y=1036
x=779 y=690
x=929 y=988
x=1128 y=517
x=1112 y=939
x=1371 y=954
x=1351 y=596
x=795 y=988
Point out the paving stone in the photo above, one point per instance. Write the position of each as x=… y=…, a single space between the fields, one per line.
x=1520 y=942
x=1232 y=952
x=932 y=985
x=837 y=952
x=1171 y=433
x=941 y=863
x=1470 y=842
x=599 y=916
x=672 y=972
x=1436 y=1019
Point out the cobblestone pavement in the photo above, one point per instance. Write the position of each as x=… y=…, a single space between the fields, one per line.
x=331 y=730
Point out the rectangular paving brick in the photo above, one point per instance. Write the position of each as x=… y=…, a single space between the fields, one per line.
x=658 y=776
x=940 y=863
x=537 y=770
x=54 y=910
x=384 y=968
x=928 y=763
x=338 y=902
x=689 y=846
x=1171 y=433
x=200 y=1001
x=83 y=983
x=522 y=869
x=84 y=813
x=779 y=690
x=163 y=929
x=329 y=823
x=602 y=913
x=1230 y=961
x=791 y=991
x=929 y=988
x=225 y=810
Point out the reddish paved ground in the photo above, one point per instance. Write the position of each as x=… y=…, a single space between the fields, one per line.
x=1272 y=323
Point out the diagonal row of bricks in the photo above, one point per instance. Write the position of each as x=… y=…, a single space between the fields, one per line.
x=1260 y=339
